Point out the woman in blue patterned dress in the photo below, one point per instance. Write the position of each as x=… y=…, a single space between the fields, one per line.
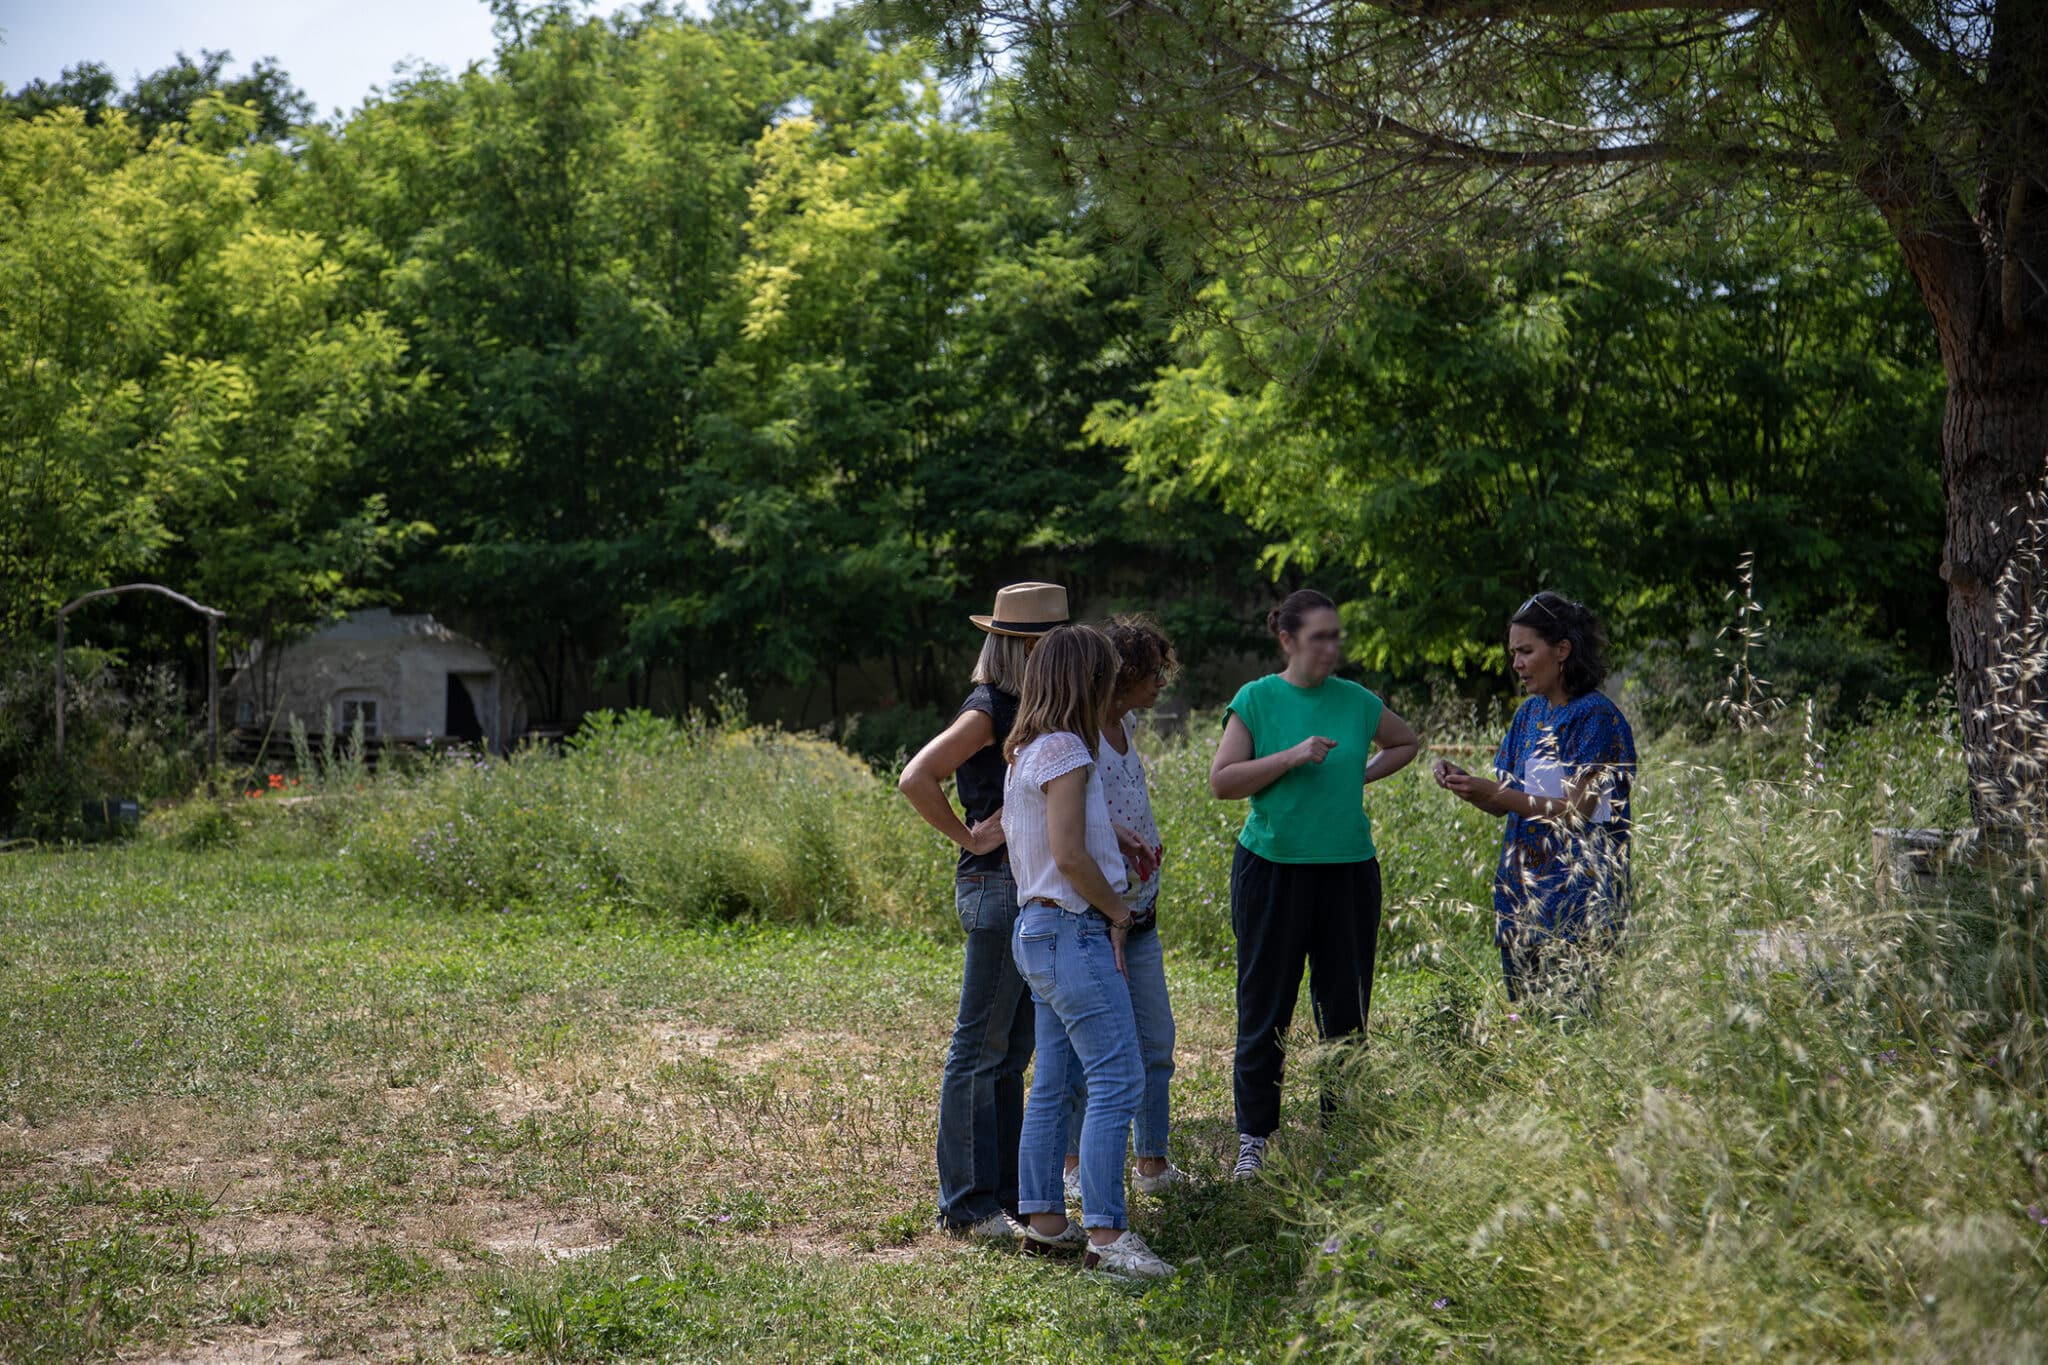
x=1565 y=775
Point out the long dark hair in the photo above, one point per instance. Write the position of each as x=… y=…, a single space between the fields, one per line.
x=1557 y=619
x=1286 y=618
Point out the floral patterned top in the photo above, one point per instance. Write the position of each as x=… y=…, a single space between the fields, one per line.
x=1130 y=805
x=1554 y=881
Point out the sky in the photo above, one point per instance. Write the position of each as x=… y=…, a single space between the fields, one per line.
x=334 y=50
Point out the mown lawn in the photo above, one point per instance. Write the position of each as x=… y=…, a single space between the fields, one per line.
x=254 y=1112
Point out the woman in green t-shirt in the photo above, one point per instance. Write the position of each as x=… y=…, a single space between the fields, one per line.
x=1305 y=883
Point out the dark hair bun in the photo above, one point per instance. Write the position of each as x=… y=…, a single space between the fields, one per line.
x=1286 y=618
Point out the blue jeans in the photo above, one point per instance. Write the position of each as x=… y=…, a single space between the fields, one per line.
x=1146 y=963
x=1085 y=1023
x=981 y=1098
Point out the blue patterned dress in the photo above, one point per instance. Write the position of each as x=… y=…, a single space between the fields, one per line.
x=1555 y=883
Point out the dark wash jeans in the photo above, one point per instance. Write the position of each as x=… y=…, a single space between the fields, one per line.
x=981 y=1098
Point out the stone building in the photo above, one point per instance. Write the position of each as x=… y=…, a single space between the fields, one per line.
x=408 y=679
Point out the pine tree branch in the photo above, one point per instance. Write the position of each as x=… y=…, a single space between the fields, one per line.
x=1441 y=148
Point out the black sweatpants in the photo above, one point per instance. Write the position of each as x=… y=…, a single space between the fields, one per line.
x=1285 y=914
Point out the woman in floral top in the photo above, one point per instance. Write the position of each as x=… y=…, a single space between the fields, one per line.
x=1146 y=663
x=1565 y=779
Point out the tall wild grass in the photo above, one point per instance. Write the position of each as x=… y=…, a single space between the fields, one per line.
x=697 y=820
x=1803 y=1120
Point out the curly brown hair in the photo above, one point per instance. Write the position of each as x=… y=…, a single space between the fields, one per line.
x=1142 y=649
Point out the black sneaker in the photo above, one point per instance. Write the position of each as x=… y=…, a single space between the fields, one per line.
x=1251 y=1157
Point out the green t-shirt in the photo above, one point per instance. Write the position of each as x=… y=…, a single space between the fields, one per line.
x=1315 y=813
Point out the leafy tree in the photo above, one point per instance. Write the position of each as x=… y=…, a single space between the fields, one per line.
x=89 y=87
x=1321 y=141
x=83 y=328
x=171 y=95
x=181 y=383
x=559 y=236
x=1619 y=424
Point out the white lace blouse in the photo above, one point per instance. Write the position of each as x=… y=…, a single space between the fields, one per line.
x=1024 y=821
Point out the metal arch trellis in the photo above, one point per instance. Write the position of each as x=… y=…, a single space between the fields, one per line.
x=214 y=616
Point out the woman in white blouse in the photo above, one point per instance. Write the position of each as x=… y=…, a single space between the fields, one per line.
x=1072 y=923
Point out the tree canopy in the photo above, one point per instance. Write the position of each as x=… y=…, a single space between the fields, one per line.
x=668 y=348
x=1310 y=145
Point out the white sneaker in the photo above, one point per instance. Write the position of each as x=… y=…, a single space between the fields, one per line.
x=1164 y=1181
x=997 y=1227
x=1251 y=1156
x=1128 y=1258
x=1073 y=1237
x=1072 y=1180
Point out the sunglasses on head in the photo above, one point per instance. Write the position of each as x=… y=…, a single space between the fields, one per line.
x=1537 y=601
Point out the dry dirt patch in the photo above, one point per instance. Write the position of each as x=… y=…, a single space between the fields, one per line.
x=237 y=1346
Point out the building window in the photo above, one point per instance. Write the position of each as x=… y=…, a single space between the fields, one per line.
x=245 y=712
x=354 y=709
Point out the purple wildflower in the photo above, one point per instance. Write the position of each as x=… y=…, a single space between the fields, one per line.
x=2035 y=1212
x=1330 y=1247
x=1440 y=1304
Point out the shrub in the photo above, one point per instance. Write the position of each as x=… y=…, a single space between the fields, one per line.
x=683 y=819
x=127 y=733
x=1838 y=668
x=887 y=738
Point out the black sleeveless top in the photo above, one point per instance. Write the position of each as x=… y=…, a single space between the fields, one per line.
x=980 y=778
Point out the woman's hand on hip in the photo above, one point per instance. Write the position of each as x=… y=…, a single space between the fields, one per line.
x=986 y=836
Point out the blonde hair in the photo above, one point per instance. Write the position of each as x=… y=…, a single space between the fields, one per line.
x=1068 y=682
x=1001 y=664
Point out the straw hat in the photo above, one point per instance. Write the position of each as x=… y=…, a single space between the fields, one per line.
x=1026 y=609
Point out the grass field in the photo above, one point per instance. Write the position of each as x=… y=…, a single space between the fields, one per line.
x=256 y=1113
x=512 y=1061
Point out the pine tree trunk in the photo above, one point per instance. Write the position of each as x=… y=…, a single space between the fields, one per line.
x=1994 y=461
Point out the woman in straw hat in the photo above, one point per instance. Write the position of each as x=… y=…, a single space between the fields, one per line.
x=981 y=1099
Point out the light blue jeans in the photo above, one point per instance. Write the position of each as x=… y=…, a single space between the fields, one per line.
x=1085 y=1024
x=1146 y=963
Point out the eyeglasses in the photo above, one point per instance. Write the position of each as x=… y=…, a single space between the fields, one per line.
x=1537 y=601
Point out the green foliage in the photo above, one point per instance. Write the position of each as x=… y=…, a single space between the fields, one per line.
x=1621 y=426
x=1780 y=1132
x=129 y=733
x=887 y=737
x=182 y=382
x=683 y=820
x=166 y=99
x=668 y=349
